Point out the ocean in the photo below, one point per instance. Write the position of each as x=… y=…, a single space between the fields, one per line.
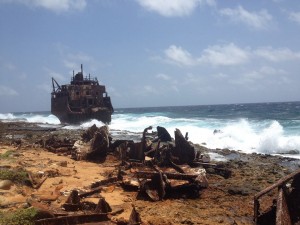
x=269 y=128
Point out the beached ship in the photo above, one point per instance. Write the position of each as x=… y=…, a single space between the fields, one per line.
x=83 y=99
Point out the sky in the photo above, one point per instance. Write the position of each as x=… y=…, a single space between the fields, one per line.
x=151 y=52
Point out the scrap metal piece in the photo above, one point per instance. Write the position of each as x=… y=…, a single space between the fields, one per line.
x=135 y=217
x=282 y=212
x=73 y=202
x=183 y=149
x=103 y=206
x=285 y=206
x=73 y=219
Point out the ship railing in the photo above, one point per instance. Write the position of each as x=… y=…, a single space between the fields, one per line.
x=93 y=79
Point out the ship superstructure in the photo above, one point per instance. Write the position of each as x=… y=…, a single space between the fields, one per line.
x=83 y=99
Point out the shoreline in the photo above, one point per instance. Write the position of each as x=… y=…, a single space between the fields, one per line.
x=225 y=201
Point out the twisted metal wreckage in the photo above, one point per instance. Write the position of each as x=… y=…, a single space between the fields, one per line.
x=157 y=167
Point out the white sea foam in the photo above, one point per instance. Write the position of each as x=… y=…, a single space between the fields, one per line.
x=261 y=136
x=45 y=119
x=30 y=118
x=248 y=136
x=7 y=116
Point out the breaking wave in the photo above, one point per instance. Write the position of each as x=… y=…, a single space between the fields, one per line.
x=245 y=133
x=43 y=118
x=248 y=136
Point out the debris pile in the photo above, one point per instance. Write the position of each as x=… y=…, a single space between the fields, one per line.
x=157 y=168
x=104 y=179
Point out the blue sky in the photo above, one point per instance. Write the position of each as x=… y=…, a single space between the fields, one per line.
x=151 y=52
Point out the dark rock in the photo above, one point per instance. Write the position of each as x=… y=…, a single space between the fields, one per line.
x=237 y=190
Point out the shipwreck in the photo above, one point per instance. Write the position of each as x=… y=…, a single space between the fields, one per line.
x=83 y=99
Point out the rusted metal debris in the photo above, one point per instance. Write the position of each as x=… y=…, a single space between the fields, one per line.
x=285 y=209
x=134 y=218
x=183 y=150
x=164 y=161
x=56 y=145
x=157 y=167
x=79 y=211
x=33 y=182
x=93 y=213
x=74 y=219
x=94 y=144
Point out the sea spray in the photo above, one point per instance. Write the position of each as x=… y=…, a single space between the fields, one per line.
x=270 y=128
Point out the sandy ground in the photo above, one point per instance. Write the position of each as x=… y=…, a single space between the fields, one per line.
x=225 y=201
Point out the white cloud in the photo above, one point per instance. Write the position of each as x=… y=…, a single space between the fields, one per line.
x=7 y=91
x=257 y=20
x=295 y=16
x=224 y=55
x=265 y=72
x=179 y=56
x=163 y=76
x=228 y=55
x=52 y=5
x=172 y=8
x=277 y=55
x=217 y=55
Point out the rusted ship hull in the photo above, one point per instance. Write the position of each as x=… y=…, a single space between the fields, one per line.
x=81 y=100
x=60 y=108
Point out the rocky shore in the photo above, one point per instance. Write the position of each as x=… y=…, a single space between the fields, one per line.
x=226 y=200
